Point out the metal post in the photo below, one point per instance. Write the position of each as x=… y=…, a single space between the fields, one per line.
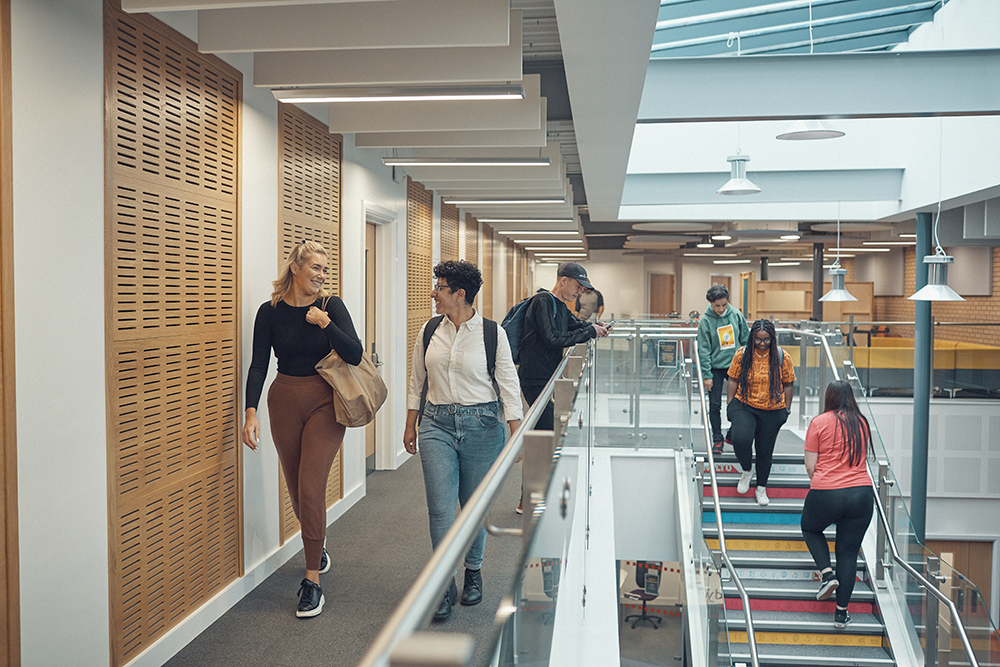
x=802 y=374
x=923 y=367
x=931 y=621
x=882 y=567
x=817 y=281
x=763 y=268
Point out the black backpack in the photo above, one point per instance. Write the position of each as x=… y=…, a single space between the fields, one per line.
x=513 y=324
x=490 y=333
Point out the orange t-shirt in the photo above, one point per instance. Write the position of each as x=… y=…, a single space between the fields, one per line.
x=759 y=380
x=826 y=438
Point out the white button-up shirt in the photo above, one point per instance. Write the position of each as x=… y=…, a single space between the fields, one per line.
x=456 y=368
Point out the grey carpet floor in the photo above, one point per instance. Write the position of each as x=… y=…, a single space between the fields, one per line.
x=377 y=550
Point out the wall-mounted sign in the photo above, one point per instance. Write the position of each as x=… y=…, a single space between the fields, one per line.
x=667 y=354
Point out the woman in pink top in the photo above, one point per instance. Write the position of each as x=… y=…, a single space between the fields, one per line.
x=840 y=492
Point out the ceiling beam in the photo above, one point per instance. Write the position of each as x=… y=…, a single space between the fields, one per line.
x=437 y=116
x=467 y=138
x=187 y=5
x=376 y=67
x=393 y=24
x=896 y=84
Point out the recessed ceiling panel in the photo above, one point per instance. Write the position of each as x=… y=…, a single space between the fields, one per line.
x=672 y=226
x=850 y=227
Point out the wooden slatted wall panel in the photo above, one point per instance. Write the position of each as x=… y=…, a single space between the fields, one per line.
x=525 y=276
x=487 y=269
x=10 y=597
x=172 y=327
x=419 y=248
x=472 y=251
x=449 y=232
x=309 y=210
x=511 y=274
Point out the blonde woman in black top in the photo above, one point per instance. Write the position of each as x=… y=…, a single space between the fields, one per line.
x=300 y=402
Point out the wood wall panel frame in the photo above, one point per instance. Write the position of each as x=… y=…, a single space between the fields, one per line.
x=310 y=194
x=489 y=243
x=472 y=237
x=449 y=232
x=172 y=344
x=10 y=615
x=419 y=257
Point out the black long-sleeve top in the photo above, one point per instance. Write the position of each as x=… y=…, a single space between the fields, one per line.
x=547 y=332
x=298 y=345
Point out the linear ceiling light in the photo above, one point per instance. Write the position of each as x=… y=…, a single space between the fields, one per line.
x=888 y=243
x=467 y=161
x=398 y=94
x=907 y=236
x=546 y=248
x=730 y=261
x=865 y=249
x=790 y=237
x=722 y=237
x=784 y=263
x=534 y=240
x=710 y=254
x=502 y=202
x=546 y=220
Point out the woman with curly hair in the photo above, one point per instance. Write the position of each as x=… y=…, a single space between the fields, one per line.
x=840 y=492
x=759 y=397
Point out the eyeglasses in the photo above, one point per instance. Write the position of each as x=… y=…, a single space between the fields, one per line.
x=762 y=341
x=439 y=287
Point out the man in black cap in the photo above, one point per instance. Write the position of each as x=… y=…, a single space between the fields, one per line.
x=549 y=328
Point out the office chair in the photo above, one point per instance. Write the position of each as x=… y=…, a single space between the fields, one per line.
x=550 y=584
x=647 y=576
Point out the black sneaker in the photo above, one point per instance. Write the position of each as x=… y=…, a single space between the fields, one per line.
x=324 y=562
x=472 y=592
x=828 y=586
x=841 y=618
x=310 y=599
x=717 y=447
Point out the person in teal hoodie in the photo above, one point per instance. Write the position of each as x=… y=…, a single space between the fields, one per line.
x=721 y=332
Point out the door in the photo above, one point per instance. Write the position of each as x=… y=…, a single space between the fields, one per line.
x=661 y=294
x=726 y=281
x=370 y=301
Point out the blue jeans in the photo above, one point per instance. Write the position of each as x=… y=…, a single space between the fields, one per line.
x=458 y=444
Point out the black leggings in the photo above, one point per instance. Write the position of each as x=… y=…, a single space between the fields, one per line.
x=851 y=509
x=754 y=429
x=546 y=422
x=719 y=378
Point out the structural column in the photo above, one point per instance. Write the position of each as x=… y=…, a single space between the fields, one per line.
x=923 y=370
x=817 y=281
x=763 y=268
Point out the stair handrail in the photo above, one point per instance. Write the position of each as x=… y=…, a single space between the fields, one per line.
x=884 y=521
x=425 y=593
x=751 y=635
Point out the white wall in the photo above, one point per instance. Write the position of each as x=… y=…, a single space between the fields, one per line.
x=58 y=199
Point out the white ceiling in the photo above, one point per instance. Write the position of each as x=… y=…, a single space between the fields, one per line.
x=650 y=135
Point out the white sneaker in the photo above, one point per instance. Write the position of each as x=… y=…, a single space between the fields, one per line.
x=761 y=493
x=744 y=484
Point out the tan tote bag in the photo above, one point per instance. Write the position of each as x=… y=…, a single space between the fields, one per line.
x=358 y=391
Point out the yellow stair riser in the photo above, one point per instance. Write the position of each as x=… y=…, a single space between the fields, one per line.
x=762 y=545
x=806 y=639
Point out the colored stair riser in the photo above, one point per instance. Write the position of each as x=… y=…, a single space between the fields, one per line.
x=801 y=606
x=780 y=574
x=774 y=518
x=776 y=469
x=806 y=638
x=772 y=492
x=781 y=546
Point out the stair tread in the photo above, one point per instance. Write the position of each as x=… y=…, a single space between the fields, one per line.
x=790 y=589
x=798 y=621
x=813 y=656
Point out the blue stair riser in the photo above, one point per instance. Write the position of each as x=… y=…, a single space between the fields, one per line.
x=753 y=517
x=780 y=574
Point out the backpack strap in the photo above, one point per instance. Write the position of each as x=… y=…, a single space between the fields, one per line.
x=429 y=329
x=490 y=341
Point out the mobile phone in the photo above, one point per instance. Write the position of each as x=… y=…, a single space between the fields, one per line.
x=609 y=325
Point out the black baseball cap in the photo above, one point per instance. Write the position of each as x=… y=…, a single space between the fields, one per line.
x=576 y=272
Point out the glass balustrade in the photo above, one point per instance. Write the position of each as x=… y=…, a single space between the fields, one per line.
x=636 y=393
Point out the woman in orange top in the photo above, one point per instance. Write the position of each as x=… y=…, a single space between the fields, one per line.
x=840 y=492
x=759 y=400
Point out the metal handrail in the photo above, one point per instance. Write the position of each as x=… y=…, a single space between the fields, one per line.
x=425 y=593
x=884 y=520
x=751 y=638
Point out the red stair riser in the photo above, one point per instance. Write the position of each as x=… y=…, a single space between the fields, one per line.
x=801 y=606
x=772 y=492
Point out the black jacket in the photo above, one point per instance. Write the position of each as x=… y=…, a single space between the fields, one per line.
x=545 y=336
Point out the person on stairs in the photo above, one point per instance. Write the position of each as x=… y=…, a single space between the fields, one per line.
x=840 y=492
x=303 y=421
x=721 y=332
x=759 y=398
x=461 y=430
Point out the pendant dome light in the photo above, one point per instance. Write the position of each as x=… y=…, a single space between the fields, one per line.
x=738 y=183
x=804 y=130
x=937 y=288
x=838 y=291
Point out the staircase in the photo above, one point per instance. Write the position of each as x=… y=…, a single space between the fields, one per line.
x=766 y=547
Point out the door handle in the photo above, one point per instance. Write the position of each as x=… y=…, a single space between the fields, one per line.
x=375 y=357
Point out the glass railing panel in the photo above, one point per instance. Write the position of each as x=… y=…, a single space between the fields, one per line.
x=974 y=612
x=966 y=360
x=707 y=603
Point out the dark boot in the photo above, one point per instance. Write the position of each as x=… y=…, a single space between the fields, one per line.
x=450 y=598
x=472 y=592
